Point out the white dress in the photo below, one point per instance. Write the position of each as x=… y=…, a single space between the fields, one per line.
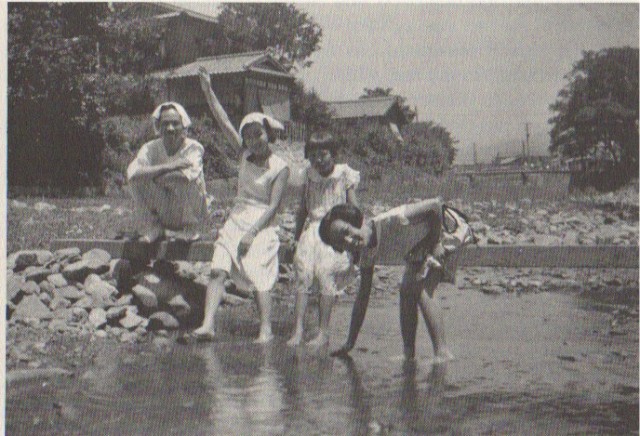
x=258 y=269
x=176 y=206
x=317 y=265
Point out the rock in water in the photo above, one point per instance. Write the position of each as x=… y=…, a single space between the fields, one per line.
x=31 y=307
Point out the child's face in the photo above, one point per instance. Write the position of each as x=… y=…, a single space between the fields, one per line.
x=344 y=236
x=322 y=160
x=255 y=138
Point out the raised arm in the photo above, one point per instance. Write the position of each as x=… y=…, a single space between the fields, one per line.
x=358 y=312
x=218 y=111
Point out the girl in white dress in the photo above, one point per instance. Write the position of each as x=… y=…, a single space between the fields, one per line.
x=247 y=246
x=317 y=265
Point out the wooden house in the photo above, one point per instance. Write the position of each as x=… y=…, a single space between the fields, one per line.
x=244 y=83
x=384 y=111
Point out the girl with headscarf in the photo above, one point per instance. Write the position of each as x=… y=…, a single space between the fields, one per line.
x=167 y=178
x=247 y=246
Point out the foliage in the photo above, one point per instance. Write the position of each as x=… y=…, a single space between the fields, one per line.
x=596 y=113
x=291 y=33
x=409 y=113
x=53 y=103
x=307 y=108
x=428 y=145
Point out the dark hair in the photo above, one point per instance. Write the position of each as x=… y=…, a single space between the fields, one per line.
x=345 y=212
x=271 y=134
x=321 y=140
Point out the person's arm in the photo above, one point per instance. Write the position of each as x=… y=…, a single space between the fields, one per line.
x=277 y=193
x=352 y=198
x=358 y=312
x=155 y=171
x=416 y=212
x=301 y=216
x=218 y=111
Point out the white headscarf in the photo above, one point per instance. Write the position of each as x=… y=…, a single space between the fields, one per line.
x=260 y=118
x=186 y=121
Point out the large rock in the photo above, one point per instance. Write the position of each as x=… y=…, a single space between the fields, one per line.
x=80 y=270
x=14 y=283
x=37 y=273
x=31 y=307
x=25 y=258
x=67 y=254
x=98 y=289
x=30 y=288
x=147 y=298
x=116 y=312
x=163 y=320
x=69 y=292
x=98 y=317
x=59 y=302
x=97 y=257
x=179 y=306
x=132 y=320
x=57 y=280
x=125 y=300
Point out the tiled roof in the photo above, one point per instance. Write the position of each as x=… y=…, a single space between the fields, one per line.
x=225 y=64
x=364 y=107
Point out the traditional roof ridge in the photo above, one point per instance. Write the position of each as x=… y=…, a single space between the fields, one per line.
x=190 y=12
x=255 y=53
x=366 y=99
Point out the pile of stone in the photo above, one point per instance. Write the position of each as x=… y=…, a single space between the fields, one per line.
x=68 y=290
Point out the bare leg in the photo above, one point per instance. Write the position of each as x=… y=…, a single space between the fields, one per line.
x=263 y=300
x=409 y=312
x=326 y=305
x=433 y=316
x=215 y=290
x=302 y=299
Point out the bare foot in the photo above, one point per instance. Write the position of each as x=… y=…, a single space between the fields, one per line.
x=263 y=338
x=204 y=333
x=319 y=341
x=295 y=340
x=442 y=357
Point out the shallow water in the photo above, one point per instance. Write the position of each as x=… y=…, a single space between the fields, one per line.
x=539 y=363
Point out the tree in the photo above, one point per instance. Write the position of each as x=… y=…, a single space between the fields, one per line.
x=428 y=145
x=293 y=35
x=307 y=108
x=387 y=92
x=596 y=113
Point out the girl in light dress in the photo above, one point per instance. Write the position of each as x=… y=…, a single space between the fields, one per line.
x=247 y=246
x=318 y=266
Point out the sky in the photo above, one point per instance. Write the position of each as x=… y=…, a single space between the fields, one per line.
x=480 y=70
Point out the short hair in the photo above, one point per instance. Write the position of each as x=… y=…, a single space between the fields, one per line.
x=345 y=212
x=271 y=134
x=321 y=140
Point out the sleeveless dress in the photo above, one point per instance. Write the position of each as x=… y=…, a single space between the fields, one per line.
x=258 y=269
x=317 y=265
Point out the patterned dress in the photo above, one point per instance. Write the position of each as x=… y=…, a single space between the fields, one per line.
x=318 y=265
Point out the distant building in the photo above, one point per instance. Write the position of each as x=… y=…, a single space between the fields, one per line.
x=383 y=111
x=244 y=82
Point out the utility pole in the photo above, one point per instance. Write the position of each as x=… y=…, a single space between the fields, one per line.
x=415 y=109
x=475 y=155
x=527 y=133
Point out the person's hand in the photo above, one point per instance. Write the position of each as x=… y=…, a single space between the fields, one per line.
x=342 y=351
x=179 y=164
x=245 y=243
x=205 y=80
